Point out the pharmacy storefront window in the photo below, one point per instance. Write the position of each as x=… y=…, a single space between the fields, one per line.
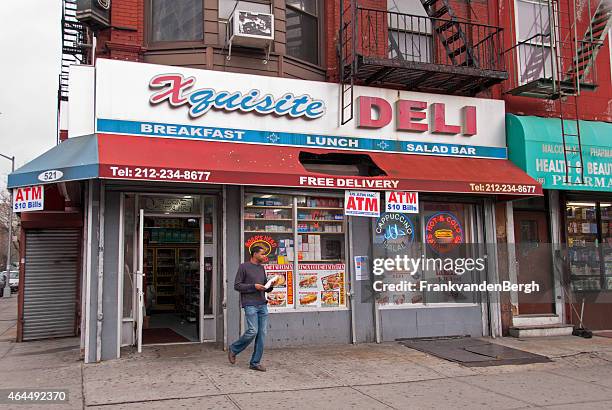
x=589 y=243
x=435 y=246
x=304 y=238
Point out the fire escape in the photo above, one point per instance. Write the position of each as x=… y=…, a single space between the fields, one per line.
x=74 y=48
x=437 y=53
x=558 y=64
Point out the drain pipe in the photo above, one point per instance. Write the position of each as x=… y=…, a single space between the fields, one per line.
x=352 y=281
x=224 y=264
x=100 y=314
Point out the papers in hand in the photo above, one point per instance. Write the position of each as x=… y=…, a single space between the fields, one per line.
x=271 y=281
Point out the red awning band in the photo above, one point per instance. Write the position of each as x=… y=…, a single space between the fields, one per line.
x=178 y=160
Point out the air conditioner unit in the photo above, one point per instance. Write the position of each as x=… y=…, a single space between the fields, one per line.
x=251 y=29
x=94 y=13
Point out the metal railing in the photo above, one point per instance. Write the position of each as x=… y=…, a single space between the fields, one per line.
x=397 y=36
x=536 y=58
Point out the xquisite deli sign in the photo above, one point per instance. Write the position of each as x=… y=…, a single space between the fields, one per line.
x=31 y=198
x=176 y=90
x=175 y=102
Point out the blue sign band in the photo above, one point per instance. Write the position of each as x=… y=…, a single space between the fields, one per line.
x=154 y=129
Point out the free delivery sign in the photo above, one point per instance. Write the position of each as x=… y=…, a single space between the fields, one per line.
x=31 y=198
x=362 y=203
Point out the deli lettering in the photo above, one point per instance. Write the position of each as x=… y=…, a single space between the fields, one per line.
x=412 y=115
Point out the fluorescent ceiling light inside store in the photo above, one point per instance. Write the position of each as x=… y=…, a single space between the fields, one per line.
x=581 y=204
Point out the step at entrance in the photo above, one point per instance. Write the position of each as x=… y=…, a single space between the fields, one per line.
x=541 y=330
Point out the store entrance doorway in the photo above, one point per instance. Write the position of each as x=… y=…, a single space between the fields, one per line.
x=176 y=265
x=533 y=254
x=171 y=280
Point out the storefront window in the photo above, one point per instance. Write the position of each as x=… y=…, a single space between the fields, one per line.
x=589 y=245
x=440 y=243
x=449 y=235
x=305 y=230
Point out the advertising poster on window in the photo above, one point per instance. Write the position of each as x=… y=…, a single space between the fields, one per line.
x=322 y=285
x=282 y=294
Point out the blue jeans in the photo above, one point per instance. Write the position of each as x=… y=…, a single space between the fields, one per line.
x=257 y=325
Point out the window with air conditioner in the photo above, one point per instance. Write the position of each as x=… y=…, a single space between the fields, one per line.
x=175 y=20
x=410 y=34
x=534 y=38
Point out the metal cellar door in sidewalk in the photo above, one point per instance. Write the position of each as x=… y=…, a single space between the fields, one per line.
x=50 y=285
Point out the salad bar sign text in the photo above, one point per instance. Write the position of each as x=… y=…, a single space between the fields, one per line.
x=173 y=89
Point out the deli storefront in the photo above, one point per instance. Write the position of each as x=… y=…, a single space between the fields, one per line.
x=579 y=208
x=180 y=180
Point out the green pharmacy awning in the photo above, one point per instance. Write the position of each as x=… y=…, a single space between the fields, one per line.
x=535 y=144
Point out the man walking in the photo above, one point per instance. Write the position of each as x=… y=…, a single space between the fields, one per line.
x=250 y=281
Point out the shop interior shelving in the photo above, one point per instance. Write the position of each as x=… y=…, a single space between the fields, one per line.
x=584 y=249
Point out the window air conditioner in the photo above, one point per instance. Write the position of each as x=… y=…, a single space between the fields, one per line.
x=95 y=13
x=251 y=29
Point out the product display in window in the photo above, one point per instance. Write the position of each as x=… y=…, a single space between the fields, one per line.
x=439 y=240
x=268 y=222
x=307 y=229
x=583 y=245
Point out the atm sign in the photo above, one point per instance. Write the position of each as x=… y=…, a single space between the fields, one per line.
x=31 y=198
x=402 y=202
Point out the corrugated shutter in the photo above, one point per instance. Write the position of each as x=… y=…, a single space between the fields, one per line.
x=49 y=291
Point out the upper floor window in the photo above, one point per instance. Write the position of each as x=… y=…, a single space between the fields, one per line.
x=410 y=32
x=534 y=35
x=176 y=20
x=303 y=29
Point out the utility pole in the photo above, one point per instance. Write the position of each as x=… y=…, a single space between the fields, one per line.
x=7 y=287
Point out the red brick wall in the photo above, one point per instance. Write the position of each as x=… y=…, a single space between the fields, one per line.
x=125 y=39
x=593 y=105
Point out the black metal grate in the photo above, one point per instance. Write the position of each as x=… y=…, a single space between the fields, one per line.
x=437 y=53
x=73 y=45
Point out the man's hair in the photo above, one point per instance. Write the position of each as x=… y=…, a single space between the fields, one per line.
x=256 y=249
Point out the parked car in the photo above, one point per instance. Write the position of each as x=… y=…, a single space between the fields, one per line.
x=14 y=281
x=2 y=282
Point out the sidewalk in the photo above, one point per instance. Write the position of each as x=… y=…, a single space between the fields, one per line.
x=367 y=376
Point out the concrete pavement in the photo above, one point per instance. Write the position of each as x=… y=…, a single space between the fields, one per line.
x=367 y=376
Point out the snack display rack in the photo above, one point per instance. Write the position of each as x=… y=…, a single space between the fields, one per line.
x=309 y=230
x=589 y=243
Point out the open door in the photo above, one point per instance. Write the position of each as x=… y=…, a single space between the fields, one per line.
x=140 y=281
